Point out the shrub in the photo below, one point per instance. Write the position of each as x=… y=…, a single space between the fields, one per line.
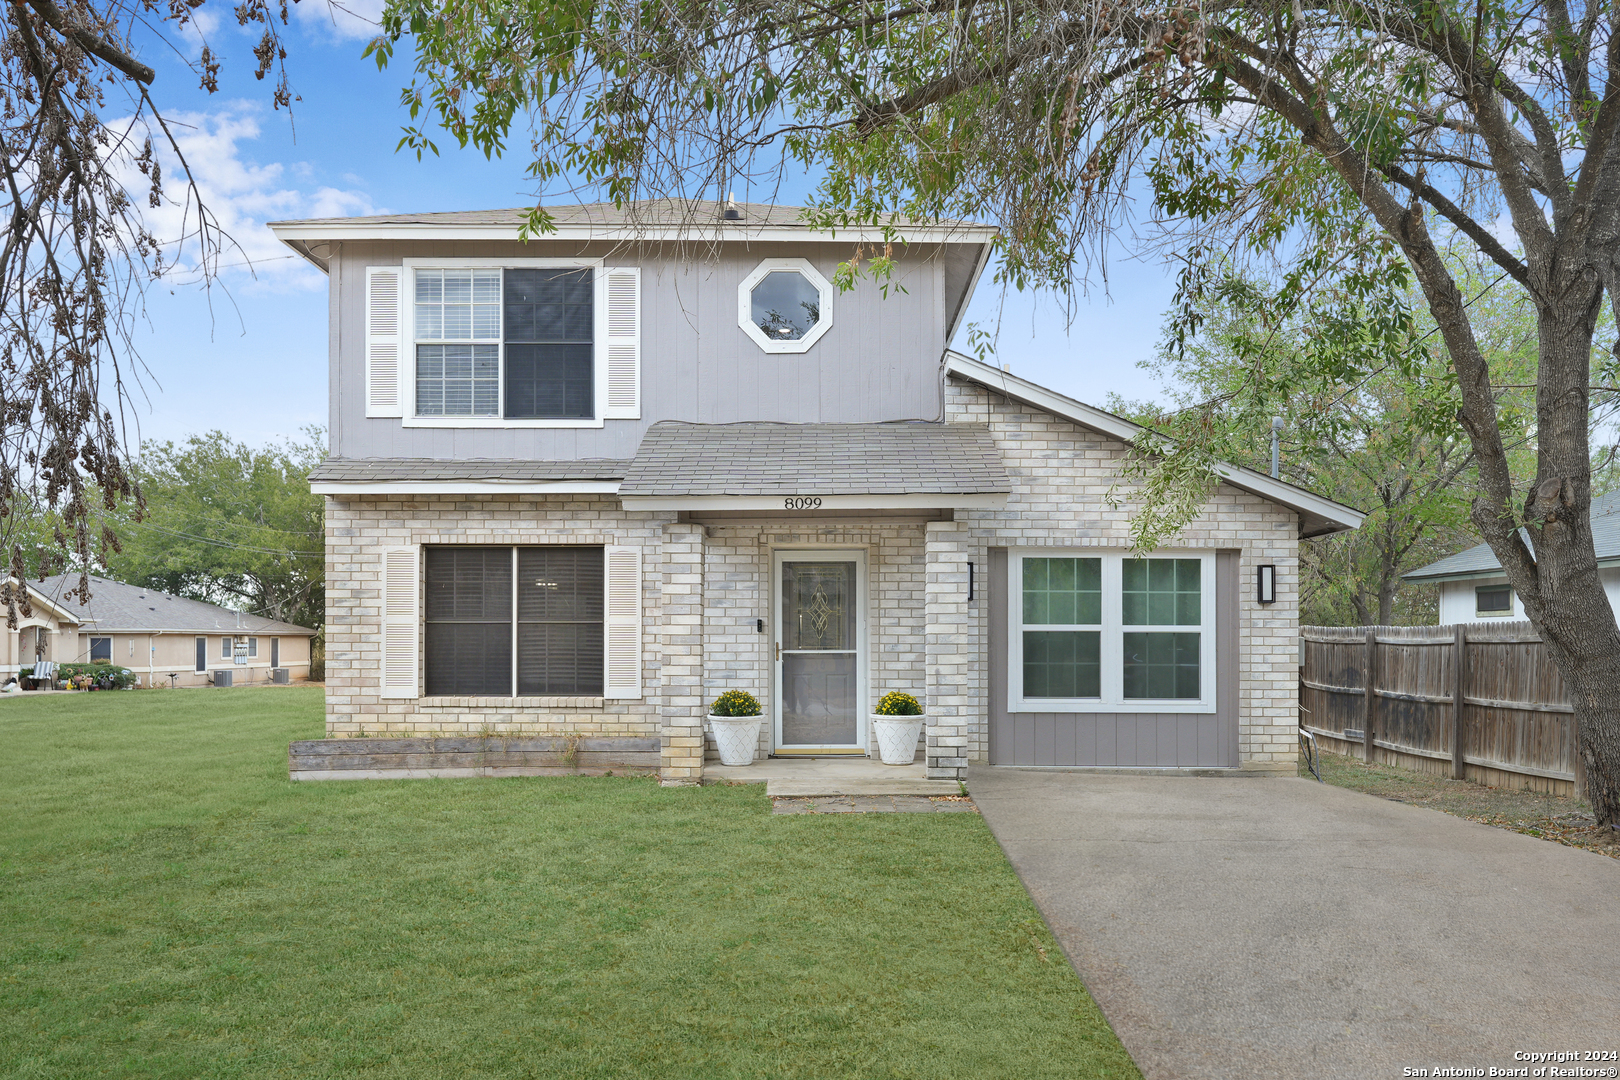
x=121 y=677
x=895 y=703
x=735 y=703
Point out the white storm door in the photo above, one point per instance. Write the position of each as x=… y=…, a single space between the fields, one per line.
x=821 y=653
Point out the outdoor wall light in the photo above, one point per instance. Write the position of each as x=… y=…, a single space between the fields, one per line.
x=1265 y=584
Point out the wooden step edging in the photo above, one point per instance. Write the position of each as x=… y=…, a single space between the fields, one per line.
x=470 y=756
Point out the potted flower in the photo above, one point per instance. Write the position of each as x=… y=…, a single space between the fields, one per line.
x=735 y=720
x=898 y=721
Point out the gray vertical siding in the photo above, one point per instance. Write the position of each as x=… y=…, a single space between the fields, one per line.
x=1118 y=739
x=879 y=361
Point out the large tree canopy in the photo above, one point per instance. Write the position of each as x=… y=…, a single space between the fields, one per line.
x=1339 y=146
x=80 y=141
x=230 y=524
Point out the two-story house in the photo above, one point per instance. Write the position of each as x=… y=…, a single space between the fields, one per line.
x=582 y=485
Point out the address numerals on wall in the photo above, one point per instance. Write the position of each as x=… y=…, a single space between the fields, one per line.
x=802 y=502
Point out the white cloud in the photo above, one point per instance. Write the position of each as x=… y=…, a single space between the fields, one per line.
x=241 y=195
x=342 y=20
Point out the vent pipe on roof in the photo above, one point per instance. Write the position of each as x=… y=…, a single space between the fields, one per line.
x=1276 y=457
x=732 y=213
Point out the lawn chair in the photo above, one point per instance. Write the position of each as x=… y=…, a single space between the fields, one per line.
x=44 y=676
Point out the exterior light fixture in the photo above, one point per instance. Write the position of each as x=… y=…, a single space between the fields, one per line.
x=1265 y=584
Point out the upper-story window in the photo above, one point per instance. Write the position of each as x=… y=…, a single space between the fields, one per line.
x=523 y=343
x=512 y=342
x=784 y=305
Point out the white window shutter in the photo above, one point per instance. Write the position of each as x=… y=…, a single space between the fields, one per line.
x=385 y=306
x=402 y=571
x=622 y=624
x=623 y=343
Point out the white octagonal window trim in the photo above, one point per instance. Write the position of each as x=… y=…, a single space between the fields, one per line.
x=785 y=305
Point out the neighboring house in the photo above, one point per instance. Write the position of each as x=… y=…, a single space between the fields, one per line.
x=583 y=485
x=153 y=634
x=1473 y=586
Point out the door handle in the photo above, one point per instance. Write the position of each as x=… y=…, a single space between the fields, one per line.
x=779 y=650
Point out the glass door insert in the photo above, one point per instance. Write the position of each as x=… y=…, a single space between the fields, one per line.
x=821 y=662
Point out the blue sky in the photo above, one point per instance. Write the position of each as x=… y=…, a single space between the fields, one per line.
x=250 y=356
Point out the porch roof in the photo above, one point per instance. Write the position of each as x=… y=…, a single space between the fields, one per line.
x=759 y=465
x=426 y=476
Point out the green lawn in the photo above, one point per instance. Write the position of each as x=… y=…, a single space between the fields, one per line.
x=170 y=905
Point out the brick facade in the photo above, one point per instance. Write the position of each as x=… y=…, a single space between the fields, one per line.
x=1062 y=474
x=704 y=587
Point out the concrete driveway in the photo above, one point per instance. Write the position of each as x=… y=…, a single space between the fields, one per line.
x=1249 y=927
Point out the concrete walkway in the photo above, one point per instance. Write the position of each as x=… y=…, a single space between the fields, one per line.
x=1244 y=927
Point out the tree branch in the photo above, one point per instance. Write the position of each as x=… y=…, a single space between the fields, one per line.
x=1449 y=210
x=98 y=47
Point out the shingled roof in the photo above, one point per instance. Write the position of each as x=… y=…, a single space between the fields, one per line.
x=909 y=458
x=660 y=212
x=117 y=608
x=384 y=470
x=1481 y=560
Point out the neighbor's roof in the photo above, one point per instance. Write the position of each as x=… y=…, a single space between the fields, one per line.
x=1318 y=516
x=118 y=608
x=909 y=463
x=1481 y=561
x=426 y=476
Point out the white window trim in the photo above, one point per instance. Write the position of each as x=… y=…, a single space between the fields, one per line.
x=745 y=305
x=1113 y=698
x=599 y=329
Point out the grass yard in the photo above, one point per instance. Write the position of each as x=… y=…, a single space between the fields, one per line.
x=173 y=906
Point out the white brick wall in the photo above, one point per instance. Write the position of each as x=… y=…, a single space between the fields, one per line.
x=703 y=589
x=1061 y=475
x=359 y=529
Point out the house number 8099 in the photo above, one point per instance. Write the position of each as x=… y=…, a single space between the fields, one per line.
x=802 y=502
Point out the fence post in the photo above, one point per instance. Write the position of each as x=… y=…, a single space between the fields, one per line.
x=1459 y=674
x=1370 y=716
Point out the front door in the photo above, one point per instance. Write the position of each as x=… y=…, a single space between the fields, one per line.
x=820 y=652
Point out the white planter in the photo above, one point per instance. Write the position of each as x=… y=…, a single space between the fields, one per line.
x=736 y=737
x=897 y=737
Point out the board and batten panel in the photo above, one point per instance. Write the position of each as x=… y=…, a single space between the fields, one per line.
x=1123 y=740
x=878 y=362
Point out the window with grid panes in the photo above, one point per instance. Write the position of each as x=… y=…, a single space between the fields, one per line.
x=1095 y=631
x=515 y=343
x=503 y=620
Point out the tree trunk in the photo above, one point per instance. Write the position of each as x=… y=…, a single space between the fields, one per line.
x=1562 y=591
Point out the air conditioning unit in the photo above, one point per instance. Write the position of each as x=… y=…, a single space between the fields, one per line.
x=280 y=675
x=222 y=676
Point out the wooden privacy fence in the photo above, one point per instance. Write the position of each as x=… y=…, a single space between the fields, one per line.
x=1479 y=701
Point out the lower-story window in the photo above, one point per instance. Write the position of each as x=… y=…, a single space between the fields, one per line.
x=502 y=621
x=1103 y=631
x=101 y=650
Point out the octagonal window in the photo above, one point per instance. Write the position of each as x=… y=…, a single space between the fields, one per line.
x=783 y=305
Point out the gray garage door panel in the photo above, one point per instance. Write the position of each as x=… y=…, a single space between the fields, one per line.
x=1119 y=739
